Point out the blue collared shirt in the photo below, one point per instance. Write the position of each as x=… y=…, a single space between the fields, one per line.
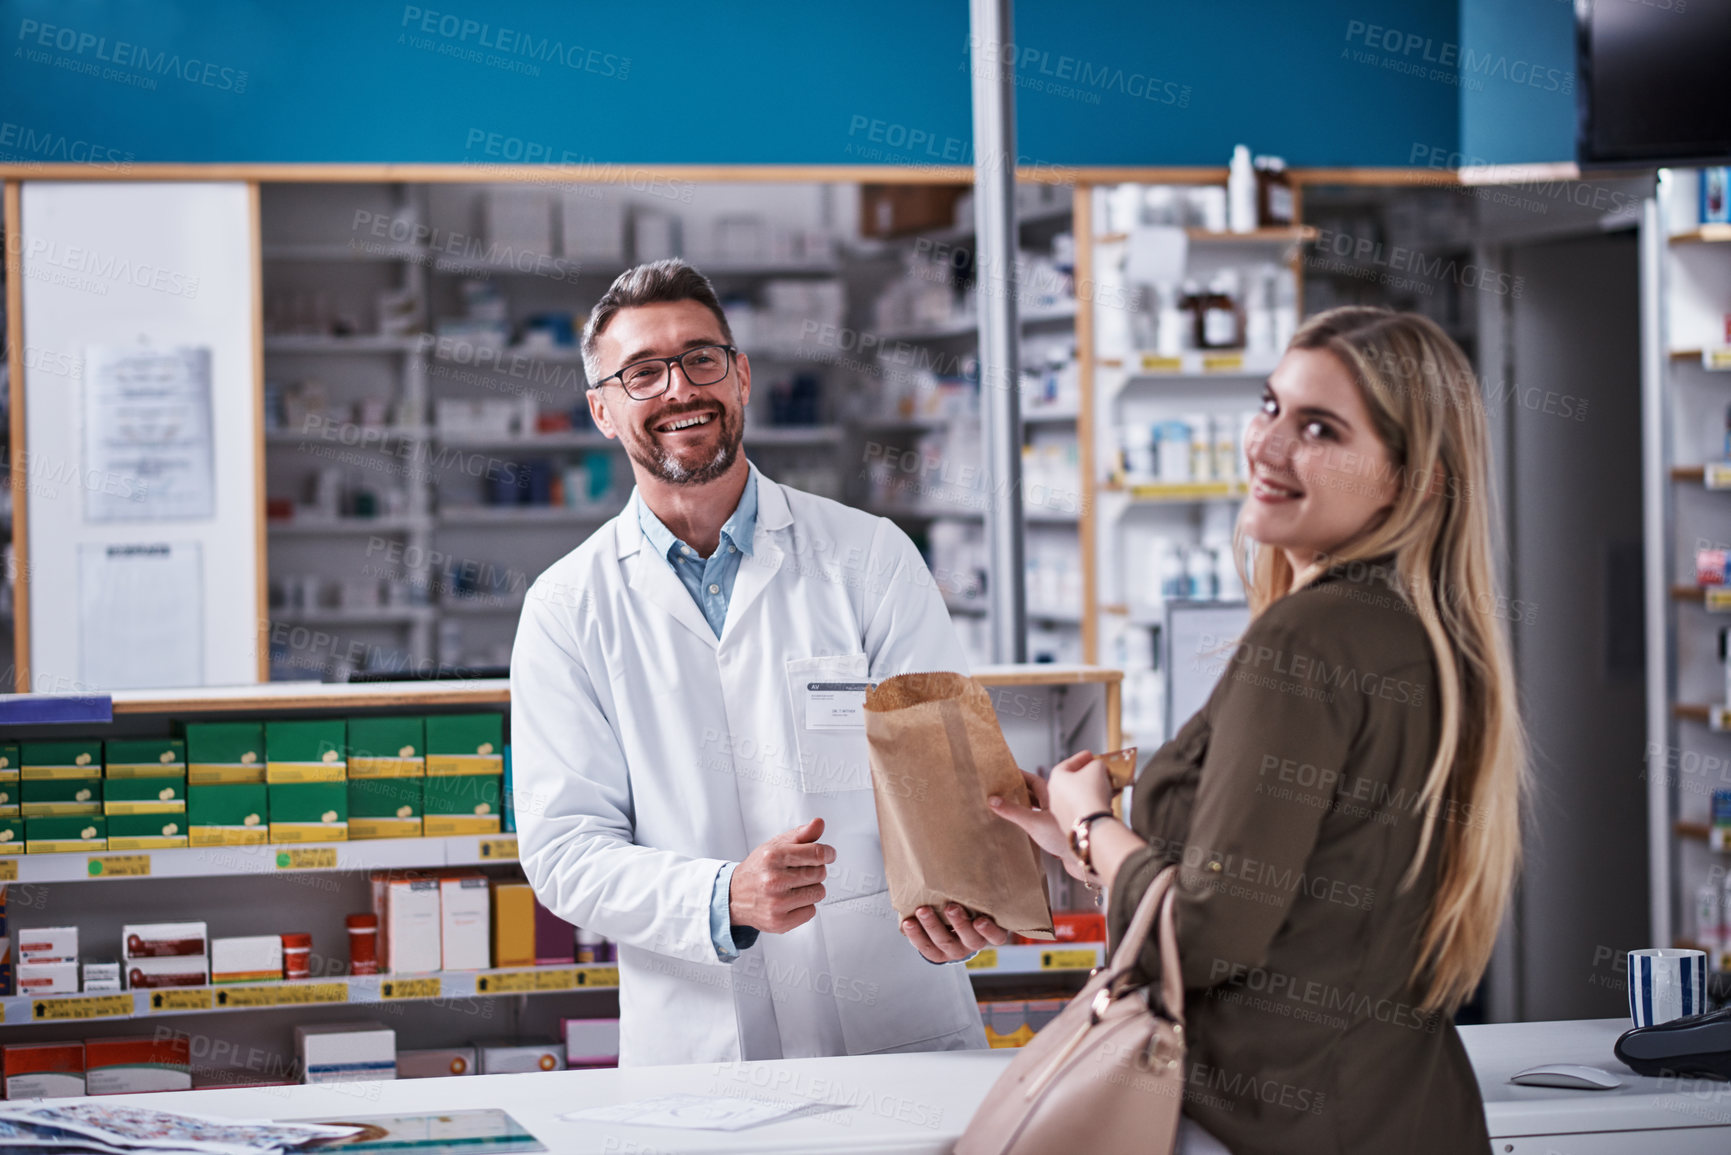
x=709 y=581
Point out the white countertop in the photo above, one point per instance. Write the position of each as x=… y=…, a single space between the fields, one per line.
x=920 y=1103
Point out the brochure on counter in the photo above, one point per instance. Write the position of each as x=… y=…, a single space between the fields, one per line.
x=115 y=1129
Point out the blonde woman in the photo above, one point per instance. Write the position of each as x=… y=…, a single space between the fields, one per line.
x=1345 y=809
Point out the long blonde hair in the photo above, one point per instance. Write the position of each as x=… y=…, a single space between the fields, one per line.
x=1424 y=402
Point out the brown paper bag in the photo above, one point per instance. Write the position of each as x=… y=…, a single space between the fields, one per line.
x=936 y=755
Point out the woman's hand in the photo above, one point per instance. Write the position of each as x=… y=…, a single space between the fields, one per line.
x=1079 y=785
x=1040 y=823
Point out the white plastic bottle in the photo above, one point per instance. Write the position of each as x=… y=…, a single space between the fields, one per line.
x=1241 y=191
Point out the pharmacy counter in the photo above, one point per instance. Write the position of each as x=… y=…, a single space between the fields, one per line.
x=920 y=1103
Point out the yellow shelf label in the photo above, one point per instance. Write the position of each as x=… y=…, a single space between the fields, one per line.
x=80 y=1007
x=505 y=982
x=118 y=865
x=1222 y=362
x=427 y=988
x=1181 y=490
x=1719 y=599
x=1718 y=718
x=1151 y=363
x=307 y=858
x=1718 y=358
x=1716 y=475
x=591 y=976
x=1067 y=960
x=986 y=960
x=284 y=995
x=180 y=999
x=499 y=849
x=8 y=873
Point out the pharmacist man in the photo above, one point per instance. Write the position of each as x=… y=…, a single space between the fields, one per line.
x=688 y=737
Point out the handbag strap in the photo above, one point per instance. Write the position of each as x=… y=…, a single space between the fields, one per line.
x=1157 y=902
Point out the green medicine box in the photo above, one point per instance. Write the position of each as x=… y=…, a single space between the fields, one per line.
x=387 y=748
x=11 y=835
x=8 y=761
x=465 y=744
x=307 y=751
x=224 y=752
x=309 y=811
x=385 y=807
x=147 y=831
x=144 y=796
x=146 y=758
x=227 y=814
x=45 y=760
x=462 y=804
x=56 y=835
x=60 y=796
x=10 y=793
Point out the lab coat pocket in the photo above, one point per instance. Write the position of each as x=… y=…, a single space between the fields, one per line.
x=887 y=996
x=827 y=695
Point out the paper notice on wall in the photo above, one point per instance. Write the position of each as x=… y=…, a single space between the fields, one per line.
x=149 y=453
x=140 y=616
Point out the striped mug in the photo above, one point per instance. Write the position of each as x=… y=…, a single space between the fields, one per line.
x=1665 y=984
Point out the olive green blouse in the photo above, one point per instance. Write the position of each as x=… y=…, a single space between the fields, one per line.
x=1289 y=801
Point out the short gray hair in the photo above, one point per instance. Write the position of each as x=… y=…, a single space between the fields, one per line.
x=649 y=284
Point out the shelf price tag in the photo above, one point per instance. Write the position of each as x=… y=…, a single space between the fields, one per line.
x=427 y=988
x=1154 y=363
x=1718 y=599
x=1068 y=960
x=986 y=960
x=1716 y=838
x=1719 y=718
x=180 y=999
x=286 y=995
x=498 y=849
x=307 y=858
x=505 y=982
x=1716 y=475
x=1222 y=362
x=8 y=870
x=590 y=976
x=1716 y=358
x=80 y=1007
x=118 y=865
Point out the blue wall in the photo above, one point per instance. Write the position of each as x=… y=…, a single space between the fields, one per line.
x=843 y=82
x=1517 y=81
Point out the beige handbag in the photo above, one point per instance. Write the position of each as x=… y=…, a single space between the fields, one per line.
x=1106 y=1075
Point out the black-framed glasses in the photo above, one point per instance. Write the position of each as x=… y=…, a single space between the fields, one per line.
x=650 y=377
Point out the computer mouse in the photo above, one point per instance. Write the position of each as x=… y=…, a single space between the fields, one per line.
x=1574 y=1076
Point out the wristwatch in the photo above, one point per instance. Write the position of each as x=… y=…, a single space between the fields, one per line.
x=1079 y=845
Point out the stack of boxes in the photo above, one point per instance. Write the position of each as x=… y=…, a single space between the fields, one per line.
x=225 y=787
x=165 y=954
x=116 y=1066
x=48 y=961
x=60 y=796
x=465 y=774
x=236 y=783
x=387 y=771
x=306 y=779
x=144 y=793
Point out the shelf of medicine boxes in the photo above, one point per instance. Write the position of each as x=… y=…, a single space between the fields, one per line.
x=1284 y=235
x=352 y=990
x=969 y=325
x=361 y=990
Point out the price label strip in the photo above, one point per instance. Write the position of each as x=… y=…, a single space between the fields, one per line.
x=8 y=870
x=1718 y=599
x=1068 y=960
x=504 y=982
x=180 y=999
x=498 y=849
x=1222 y=362
x=80 y=1007
x=425 y=988
x=1716 y=475
x=307 y=858
x=1153 y=363
x=1718 y=358
x=118 y=866
x=286 y=995
x=986 y=960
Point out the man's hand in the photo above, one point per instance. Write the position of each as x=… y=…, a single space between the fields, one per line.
x=779 y=884
x=939 y=941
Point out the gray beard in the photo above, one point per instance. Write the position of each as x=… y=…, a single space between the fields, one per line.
x=666 y=468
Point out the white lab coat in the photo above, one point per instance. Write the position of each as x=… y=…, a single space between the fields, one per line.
x=646 y=753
